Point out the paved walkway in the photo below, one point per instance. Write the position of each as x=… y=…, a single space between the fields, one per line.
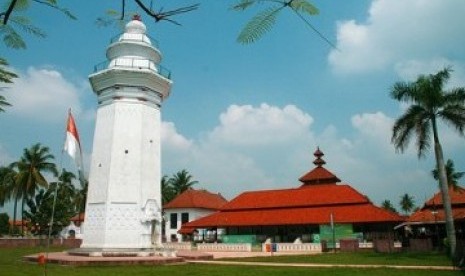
x=221 y=258
x=64 y=258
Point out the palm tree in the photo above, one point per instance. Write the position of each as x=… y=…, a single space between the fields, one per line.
x=66 y=182
x=79 y=195
x=30 y=168
x=8 y=190
x=167 y=191
x=429 y=103
x=452 y=176
x=387 y=205
x=6 y=180
x=181 y=181
x=406 y=203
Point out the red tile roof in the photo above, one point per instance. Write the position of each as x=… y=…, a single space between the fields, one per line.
x=78 y=218
x=457 y=196
x=186 y=230
x=433 y=210
x=429 y=216
x=309 y=204
x=18 y=222
x=197 y=199
x=311 y=196
x=319 y=175
x=359 y=213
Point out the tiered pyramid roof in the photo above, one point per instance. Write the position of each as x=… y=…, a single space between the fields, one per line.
x=311 y=203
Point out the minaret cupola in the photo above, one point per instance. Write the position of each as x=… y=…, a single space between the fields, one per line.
x=133 y=60
x=318 y=175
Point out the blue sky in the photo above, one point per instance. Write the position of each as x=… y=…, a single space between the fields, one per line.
x=249 y=117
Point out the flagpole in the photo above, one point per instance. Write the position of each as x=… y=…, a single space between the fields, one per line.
x=50 y=228
x=334 y=233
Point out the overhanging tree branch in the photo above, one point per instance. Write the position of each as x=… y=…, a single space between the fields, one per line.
x=158 y=16
x=8 y=12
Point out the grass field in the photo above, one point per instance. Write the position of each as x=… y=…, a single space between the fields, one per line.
x=12 y=264
x=422 y=259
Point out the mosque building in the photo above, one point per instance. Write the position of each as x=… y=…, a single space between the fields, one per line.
x=320 y=209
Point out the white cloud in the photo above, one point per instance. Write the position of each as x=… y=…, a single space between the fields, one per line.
x=42 y=94
x=252 y=148
x=397 y=31
x=172 y=139
x=5 y=158
x=375 y=126
x=263 y=126
x=230 y=159
x=409 y=70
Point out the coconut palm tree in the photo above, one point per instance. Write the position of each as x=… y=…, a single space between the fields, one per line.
x=9 y=191
x=6 y=180
x=387 y=205
x=79 y=196
x=428 y=103
x=406 y=203
x=452 y=176
x=67 y=189
x=35 y=161
x=167 y=191
x=182 y=181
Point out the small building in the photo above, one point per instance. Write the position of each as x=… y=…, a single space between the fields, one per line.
x=428 y=222
x=74 y=229
x=320 y=209
x=188 y=206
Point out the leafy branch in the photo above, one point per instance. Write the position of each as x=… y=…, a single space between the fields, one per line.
x=117 y=17
x=264 y=21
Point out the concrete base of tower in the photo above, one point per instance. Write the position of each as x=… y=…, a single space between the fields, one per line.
x=122 y=252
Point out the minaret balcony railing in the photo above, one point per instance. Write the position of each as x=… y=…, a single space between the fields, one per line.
x=135 y=37
x=133 y=63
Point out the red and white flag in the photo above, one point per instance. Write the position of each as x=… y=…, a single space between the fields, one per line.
x=72 y=143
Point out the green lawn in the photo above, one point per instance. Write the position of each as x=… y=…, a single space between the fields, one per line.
x=12 y=264
x=431 y=259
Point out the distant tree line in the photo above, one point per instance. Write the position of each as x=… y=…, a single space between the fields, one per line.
x=25 y=183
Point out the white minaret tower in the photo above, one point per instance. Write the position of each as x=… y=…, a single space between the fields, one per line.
x=123 y=208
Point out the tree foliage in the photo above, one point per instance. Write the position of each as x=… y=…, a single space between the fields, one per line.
x=6 y=184
x=40 y=209
x=387 y=205
x=167 y=191
x=6 y=76
x=407 y=203
x=175 y=185
x=115 y=17
x=4 y=223
x=13 y=20
x=264 y=20
x=452 y=176
x=429 y=102
x=29 y=173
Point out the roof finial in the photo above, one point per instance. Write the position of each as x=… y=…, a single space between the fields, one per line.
x=318 y=154
x=136 y=17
